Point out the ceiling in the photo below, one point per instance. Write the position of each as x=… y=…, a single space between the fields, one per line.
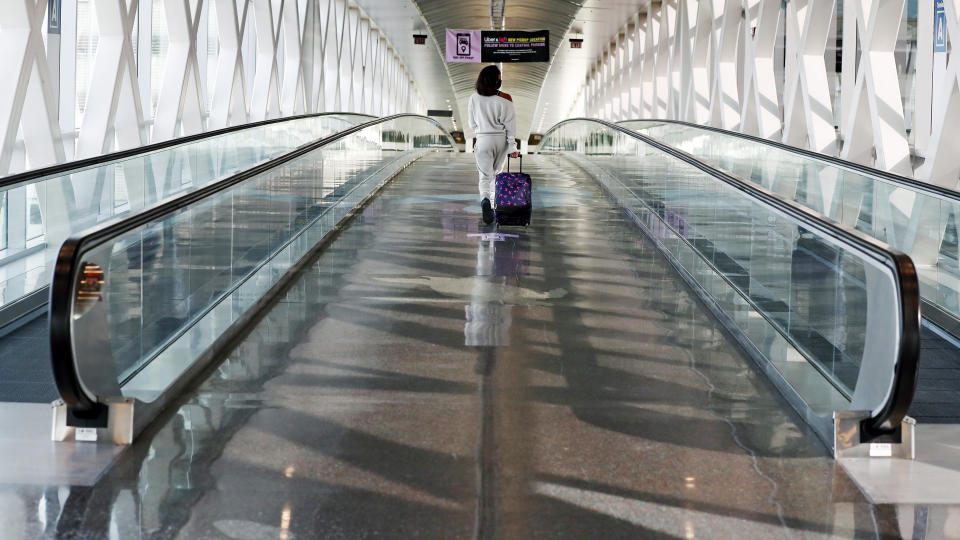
x=542 y=92
x=398 y=20
x=598 y=23
x=521 y=80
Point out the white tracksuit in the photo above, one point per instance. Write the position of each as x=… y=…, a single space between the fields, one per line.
x=494 y=122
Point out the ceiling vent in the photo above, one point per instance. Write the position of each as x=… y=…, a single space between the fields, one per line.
x=497 y=8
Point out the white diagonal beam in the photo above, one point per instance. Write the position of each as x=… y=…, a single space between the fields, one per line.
x=292 y=94
x=181 y=98
x=808 y=109
x=877 y=123
x=265 y=101
x=229 y=104
x=26 y=90
x=725 y=102
x=762 y=103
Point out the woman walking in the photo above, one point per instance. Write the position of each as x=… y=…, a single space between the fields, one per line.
x=493 y=120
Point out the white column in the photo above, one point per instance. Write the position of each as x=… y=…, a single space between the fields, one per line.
x=649 y=62
x=265 y=100
x=702 y=82
x=636 y=68
x=726 y=94
x=922 y=110
x=943 y=164
x=292 y=96
x=67 y=94
x=761 y=111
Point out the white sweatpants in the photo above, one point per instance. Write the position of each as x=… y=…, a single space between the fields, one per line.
x=490 y=153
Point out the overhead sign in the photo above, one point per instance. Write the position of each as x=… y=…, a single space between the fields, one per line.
x=53 y=16
x=939 y=27
x=515 y=46
x=498 y=46
x=463 y=45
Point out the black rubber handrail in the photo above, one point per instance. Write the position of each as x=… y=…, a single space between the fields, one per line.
x=887 y=421
x=65 y=375
x=61 y=168
x=906 y=181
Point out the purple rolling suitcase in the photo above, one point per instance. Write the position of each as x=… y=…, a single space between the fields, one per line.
x=514 y=197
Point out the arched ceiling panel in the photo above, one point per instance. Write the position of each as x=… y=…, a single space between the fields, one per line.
x=522 y=80
x=533 y=85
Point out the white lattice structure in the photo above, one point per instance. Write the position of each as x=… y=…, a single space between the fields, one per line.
x=763 y=67
x=273 y=58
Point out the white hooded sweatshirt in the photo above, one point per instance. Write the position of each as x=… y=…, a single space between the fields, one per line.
x=493 y=115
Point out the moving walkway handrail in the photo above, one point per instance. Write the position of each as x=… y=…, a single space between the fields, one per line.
x=61 y=168
x=905 y=181
x=888 y=418
x=34 y=301
x=69 y=383
x=934 y=312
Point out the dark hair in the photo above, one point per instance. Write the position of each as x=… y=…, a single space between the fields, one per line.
x=489 y=81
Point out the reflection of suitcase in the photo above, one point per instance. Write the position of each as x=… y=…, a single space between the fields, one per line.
x=511 y=258
x=514 y=197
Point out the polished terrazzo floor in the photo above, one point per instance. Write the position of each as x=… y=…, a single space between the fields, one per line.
x=420 y=381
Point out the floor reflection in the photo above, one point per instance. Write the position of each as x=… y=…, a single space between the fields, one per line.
x=502 y=259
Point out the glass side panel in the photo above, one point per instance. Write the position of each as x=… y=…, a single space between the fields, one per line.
x=171 y=287
x=34 y=218
x=915 y=222
x=817 y=293
x=42 y=213
x=3 y=221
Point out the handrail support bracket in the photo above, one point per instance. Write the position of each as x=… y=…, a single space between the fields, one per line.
x=114 y=423
x=851 y=441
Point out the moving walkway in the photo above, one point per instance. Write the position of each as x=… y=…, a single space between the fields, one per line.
x=42 y=207
x=829 y=313
x=417 y=379
x=141 y=306
x=917 y=218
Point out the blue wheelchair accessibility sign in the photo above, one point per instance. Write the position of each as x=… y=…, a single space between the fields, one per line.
x=939 y=27
x=53 y=16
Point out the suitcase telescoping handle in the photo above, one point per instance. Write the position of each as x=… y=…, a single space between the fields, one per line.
x=520 y=156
